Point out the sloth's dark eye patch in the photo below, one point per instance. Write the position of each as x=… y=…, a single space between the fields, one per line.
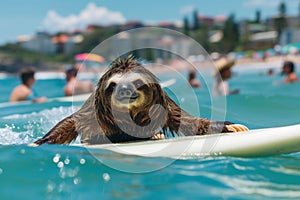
x=139 y=84
x=110 y=88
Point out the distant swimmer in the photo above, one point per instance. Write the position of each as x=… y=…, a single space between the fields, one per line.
x=271 y=72
x=223 y=73
x=193 y=81
x=288 y=69
x=23 y=91
x=75 y=86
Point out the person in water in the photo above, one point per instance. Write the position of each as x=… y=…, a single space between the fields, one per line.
x=288 y=69
x=223 y=73
x=193 y=81
x=271 y=72
x=24 y=91
x=75 y=86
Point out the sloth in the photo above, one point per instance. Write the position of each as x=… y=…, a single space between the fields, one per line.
x=130 y=105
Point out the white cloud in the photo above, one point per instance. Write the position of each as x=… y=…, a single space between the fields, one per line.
x=90 y=15
x=187 y=9
x=261 y=3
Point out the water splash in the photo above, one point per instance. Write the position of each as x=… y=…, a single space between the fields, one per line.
x=26 y=128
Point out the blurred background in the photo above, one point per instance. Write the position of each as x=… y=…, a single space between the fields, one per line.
x=50 y=35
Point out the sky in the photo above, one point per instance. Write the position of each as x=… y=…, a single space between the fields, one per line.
x=18 y=17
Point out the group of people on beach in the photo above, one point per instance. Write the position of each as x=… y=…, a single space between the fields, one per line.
x=223 y=74
x=25 y=92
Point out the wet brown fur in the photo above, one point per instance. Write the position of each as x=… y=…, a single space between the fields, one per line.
x=96 y=124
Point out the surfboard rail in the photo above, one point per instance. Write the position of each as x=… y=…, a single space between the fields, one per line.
x=253 y=143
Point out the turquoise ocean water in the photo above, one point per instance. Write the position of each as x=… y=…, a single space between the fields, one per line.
x=70 y=172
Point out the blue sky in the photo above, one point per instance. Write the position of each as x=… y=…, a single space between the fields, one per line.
x=20 y=17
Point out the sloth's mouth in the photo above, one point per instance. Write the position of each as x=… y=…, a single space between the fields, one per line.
x=127 y=100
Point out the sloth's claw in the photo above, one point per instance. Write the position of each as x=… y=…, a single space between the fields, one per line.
x=158 y=136
x=236 y=128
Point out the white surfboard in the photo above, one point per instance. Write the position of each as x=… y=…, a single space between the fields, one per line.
x=259 y=142
x=168 y=83
x=74 y=98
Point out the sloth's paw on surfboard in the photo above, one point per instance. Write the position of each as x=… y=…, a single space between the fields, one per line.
x=158 y=136
x=236 y=128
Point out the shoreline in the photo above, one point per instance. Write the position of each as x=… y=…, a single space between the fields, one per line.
x=179 y=65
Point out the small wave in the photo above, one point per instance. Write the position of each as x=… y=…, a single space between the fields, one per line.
x=26 y=128
x=242 y=168
x=241 y=186
x=286 y=170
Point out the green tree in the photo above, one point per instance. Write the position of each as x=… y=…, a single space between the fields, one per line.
x=299 y=9
x=196 y=20
x=186 y=27
x=280 y=21
x=201 y=36
x=19 y=57
x=299 y=14
x=257 y=16
x=282 y=9
x=230 y=35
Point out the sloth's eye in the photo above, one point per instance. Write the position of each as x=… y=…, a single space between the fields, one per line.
x=138 y=83
x=111 y=87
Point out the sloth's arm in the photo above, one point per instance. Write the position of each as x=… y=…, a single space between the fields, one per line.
x=62 y=133
x=226 y=127
x=199 y=126
x=182 y=122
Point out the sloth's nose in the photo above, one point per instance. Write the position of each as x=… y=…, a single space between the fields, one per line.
x=125 y=92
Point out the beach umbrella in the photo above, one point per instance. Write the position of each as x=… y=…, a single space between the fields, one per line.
x=291 y=48
x=89 y=57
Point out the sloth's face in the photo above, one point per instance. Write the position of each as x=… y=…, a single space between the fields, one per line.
x=130 y=90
